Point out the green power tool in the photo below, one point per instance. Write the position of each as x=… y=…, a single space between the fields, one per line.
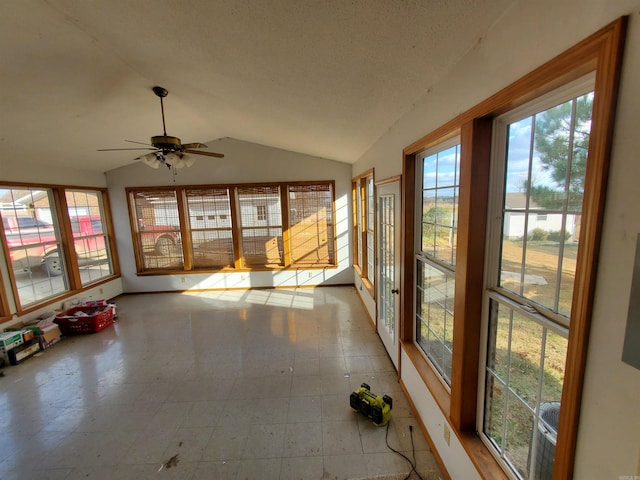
x=373 y=406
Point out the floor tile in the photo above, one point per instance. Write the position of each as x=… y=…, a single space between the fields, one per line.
x=303 y=440
x=226 y=385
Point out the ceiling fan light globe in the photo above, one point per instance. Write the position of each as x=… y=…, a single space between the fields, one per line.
x=188 y=160
x=179 y=160
x=150 y=160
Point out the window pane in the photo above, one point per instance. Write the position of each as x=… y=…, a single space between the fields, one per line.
x=33 y=243
x=434 y=319
x=519 y=425
x=448 y=167
x=429 y=172
x=495 y=411
x=261 y=228
x=524 y=358
x=311 y=230
x=429 y=216
x=158 y=229
x=370 y=257
x=370 y=204
x=499 y=341
x=89 y=234
x=555 y=355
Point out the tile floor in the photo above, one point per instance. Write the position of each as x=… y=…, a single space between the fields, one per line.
x=230 y=385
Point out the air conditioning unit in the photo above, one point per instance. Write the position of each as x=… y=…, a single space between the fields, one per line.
x=546 y=437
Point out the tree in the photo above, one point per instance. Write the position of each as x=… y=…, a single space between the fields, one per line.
x=434 y=218
x=562 y=142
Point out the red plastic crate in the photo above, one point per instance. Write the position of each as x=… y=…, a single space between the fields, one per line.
x=97 y=318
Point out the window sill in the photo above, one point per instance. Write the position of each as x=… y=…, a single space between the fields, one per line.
x=365 y=282
x=175 y=271
x=478 y=453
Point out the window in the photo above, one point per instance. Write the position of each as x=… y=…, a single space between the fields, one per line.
x=56 y=241
x=312 y=229
x=435 y=253
x=234 y=227
x=34 y=244
x=211 y=239
x=371 y=215
x=261 y=235
x=364 y=228
x=261 y=212
x=530 y=296
x=357 y=224
x=158 y=237
x=513 y=359
x=90 y=239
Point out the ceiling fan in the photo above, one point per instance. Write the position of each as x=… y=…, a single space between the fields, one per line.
x=166 y=149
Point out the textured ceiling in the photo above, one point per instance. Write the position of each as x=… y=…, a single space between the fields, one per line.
x=325 y=77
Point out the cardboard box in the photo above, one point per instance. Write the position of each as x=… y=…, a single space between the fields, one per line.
x=49 y=337
x=17 y=355
x=27 y=335
x=39 y=324
x=9 y=340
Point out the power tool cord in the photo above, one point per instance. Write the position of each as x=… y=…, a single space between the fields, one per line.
x=413 y=452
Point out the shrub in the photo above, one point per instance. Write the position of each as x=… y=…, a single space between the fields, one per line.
x=557 y=236
x=537 y=235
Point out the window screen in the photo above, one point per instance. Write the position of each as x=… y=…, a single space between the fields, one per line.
x=311 y=224
x=261 y=225
x=158 y=234
x=210 y=227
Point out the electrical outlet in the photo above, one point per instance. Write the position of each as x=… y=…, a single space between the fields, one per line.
x=184 y=279
x=310 y=274
x=243 y=277
x=447 y=434
x=101 y=290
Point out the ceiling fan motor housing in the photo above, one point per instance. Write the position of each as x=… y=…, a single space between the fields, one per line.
x=166 y=142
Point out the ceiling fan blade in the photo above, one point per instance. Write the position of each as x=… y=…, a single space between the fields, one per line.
x=115 y=149
x=140 y=143
x=194 y=145
x=208 y=154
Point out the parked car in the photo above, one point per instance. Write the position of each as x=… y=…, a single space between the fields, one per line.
x=32 y=242
x=160 y=239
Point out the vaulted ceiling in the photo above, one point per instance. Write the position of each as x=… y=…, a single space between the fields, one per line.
x=321 y=77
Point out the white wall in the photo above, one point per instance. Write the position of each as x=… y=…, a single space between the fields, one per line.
x=23 y=171
x=528 y=35
x=244 y=162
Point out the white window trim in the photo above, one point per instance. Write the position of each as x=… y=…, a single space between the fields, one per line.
x=418 y=254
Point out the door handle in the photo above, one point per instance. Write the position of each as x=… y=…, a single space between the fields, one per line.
x=395 y=290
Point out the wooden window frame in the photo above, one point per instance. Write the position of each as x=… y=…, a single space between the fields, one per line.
x=602 y=53
x=5 y=311
x=239 y=264
x=59 y=209
x=360 y=227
